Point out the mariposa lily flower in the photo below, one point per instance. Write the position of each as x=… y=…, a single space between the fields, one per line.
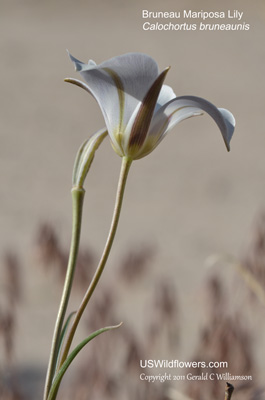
x=139 y=110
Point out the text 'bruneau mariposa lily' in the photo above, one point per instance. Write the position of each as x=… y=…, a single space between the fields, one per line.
x=138 y=111
x=137 y=107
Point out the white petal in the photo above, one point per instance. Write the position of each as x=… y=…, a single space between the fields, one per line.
x=166 y=94
x=123 y=81
x=185 y=107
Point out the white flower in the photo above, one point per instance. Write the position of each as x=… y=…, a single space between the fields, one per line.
x=138 y=109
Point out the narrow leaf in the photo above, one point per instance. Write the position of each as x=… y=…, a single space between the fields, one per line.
x=71 y=357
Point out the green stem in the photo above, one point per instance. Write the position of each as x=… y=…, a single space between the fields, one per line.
x=77 y=202
x=126 y=163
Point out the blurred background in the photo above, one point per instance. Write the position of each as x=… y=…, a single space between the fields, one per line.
x=187 y=201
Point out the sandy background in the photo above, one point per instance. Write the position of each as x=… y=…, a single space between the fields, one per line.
x=189 y=198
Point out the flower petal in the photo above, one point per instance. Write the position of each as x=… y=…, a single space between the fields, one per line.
x=122 y=80
x=185 y=107
x=136 y=71
x=165 y=96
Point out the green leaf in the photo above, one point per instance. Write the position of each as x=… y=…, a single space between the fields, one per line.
x=71 y=357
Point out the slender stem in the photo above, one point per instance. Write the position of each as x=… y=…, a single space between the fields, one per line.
x=77 y=202
x=126 y=163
